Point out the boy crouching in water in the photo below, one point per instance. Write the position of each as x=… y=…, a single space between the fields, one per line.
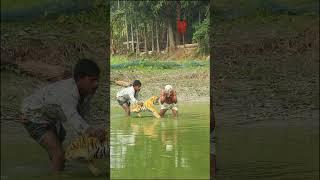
x=128 y=96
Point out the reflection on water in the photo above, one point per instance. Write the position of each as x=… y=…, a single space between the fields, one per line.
x=168 y=148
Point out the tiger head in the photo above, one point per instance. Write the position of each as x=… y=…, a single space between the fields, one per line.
x=78 y=148
x=154 y=100
x=83 y=147
x=136 y=108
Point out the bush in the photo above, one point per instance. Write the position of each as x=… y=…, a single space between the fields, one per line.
x=201 y=36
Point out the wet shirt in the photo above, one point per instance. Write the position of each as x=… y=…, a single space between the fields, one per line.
x=58 y=103
x=128 y=94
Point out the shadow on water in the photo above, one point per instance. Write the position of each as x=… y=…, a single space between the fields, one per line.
x=147 y=147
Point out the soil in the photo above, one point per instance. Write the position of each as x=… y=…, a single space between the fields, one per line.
x=48 y=50
x=191 y=84
x=183 y=54
x=34 y=54
x=266 y=79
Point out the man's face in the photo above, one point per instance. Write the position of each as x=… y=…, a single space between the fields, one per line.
x=169 y=93
x=137 y=88
x=88 y=84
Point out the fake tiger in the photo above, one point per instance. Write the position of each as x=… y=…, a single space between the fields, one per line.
x=89 y=149
x=147 y=105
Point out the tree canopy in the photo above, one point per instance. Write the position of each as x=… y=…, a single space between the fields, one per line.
x=143 y=26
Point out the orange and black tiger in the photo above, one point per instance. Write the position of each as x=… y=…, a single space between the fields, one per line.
x=89 y=149
x=147 y=105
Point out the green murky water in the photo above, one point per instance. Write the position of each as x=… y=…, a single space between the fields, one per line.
x=268 y=150
x=23 y=158
x=169 y=148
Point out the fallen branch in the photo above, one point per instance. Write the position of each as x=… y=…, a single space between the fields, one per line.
x=122 y=83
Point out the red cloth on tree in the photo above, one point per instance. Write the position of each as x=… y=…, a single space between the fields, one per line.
x=182 y=26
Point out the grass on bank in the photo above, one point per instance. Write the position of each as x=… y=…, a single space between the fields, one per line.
x=123 y=62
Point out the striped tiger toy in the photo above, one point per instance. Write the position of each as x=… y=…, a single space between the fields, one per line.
x=147 y=105
x=89 y=149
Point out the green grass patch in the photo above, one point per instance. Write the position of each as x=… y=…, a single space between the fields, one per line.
x=123 y=63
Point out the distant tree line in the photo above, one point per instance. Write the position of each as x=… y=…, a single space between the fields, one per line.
x=143 y=26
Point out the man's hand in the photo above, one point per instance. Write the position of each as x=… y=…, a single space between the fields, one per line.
x=174 y=96
x=97 y=133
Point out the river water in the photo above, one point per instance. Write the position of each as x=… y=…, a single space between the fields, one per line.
x=271 y=150
x=23 y=158
x=169 y=148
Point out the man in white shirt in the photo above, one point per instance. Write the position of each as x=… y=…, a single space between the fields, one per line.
x=128 y=96
x=63 y=104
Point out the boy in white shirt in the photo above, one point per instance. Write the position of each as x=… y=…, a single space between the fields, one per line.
x=128 y=96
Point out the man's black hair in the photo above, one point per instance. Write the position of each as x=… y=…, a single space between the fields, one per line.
x=85 y=67
x=136 y=83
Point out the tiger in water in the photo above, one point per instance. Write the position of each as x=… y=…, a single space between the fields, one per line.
x=147 y=105
x=89 y=149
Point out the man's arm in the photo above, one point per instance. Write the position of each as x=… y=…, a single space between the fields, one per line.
x=76 y=121
x=174 y=96
x=73 y=118
x=162 y=96
x=132 y=98
x=139 y=101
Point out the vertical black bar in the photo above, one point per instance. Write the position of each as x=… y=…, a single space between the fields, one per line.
x=212 y=115
x=107 y=79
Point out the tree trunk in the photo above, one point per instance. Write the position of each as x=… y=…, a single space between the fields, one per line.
x=164 y=37
x=183 y=40
x=152 y=39
x=199 y=17
x=171 y=37
x=132 y=44
x=127 y=33
x=178 y=37
x=137 y=45
x=145 y=39
x=118 y=4
x=126 y=24
x=111 y=47
x=157 y=36
x=167 y=44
